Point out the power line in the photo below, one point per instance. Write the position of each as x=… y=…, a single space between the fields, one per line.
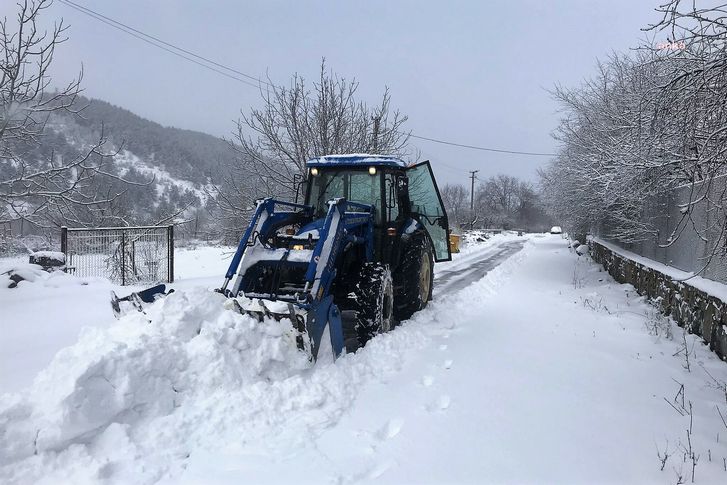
x=146 y=38
x=196 y=58
x=486 y=149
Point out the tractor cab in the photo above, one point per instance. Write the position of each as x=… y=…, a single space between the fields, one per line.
x=404 y=197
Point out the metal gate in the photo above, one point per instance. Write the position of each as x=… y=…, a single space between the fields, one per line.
x=125 y=255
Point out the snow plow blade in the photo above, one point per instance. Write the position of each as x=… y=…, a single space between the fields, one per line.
x=297 y=320
x=137 y=300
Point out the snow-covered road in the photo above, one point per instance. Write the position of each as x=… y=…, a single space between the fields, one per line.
x=542 y=371
x=462 y=272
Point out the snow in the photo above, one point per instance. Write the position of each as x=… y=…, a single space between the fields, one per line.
x=126 y=160
x=28 y=272
x=357 y=159
x=54 y=255
x=312 y=234
x=711 y=287
x=543 y=371
x=412 y=226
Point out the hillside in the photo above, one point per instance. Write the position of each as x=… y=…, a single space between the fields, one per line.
x=173 y=165
x=185 y=154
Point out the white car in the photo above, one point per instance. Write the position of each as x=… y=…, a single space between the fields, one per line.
x=556 y=230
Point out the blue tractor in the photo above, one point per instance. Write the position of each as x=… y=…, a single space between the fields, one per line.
x=351 y=261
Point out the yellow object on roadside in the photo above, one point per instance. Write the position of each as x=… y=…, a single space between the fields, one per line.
x=454 y=243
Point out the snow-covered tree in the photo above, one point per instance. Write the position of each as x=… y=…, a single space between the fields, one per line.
x=39 y=186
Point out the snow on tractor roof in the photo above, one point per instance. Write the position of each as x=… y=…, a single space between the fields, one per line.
x=356 y=159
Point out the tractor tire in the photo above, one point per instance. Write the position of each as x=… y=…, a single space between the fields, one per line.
x=414 y=279
x=373 y=294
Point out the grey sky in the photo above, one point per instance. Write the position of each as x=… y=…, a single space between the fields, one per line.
x=471 y=72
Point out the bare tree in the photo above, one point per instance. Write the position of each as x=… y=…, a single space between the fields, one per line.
x=33 y=188
x=456 y=202
x=300 y=122
x=295 y=124
x=508 y=202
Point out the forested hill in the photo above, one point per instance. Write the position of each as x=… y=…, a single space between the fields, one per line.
x=170 y=168
x=185 y=154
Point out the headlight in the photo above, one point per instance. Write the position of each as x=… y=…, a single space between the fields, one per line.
x=314 y=171
x=298 y=247
x=372 y=170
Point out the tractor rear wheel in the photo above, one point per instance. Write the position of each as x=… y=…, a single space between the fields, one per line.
x=414 y=278
x=374 y=301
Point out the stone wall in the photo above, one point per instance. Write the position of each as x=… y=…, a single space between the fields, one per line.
x=691 y=308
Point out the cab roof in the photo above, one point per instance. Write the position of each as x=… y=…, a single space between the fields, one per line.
x=356 y=159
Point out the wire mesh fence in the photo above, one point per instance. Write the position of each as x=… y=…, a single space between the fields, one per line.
x=688 y=229
x=125 y=255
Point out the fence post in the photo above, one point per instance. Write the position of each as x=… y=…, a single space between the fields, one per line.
x=170 y=249
x=123 y=257
x=64 y=240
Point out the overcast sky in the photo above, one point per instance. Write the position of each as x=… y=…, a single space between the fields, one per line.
x=471 y=72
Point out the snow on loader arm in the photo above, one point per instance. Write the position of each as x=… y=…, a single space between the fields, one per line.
x=346 y=264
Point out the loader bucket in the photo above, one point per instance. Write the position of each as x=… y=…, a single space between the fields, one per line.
x=316 y=328
x=296 y=319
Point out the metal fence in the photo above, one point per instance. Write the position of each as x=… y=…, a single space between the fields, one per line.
x=700 y=245
x=125 y=255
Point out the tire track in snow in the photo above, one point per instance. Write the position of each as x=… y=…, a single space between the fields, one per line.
x=451 y=280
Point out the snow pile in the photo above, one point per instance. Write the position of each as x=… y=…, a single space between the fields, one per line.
x=138 y=382
x=11 y=274
x=24 y=274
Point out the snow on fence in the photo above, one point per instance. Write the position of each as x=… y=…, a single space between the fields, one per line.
x=688 y=225
x=125 y=255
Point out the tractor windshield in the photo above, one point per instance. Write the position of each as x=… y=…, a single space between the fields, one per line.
x=354 y=185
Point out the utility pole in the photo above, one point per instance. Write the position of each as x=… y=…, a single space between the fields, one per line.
x=472 y=191
x=472 y=198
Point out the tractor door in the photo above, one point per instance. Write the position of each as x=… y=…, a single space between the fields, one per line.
x=428 y=209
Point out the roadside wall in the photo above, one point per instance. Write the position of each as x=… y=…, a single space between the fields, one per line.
x=692 y=308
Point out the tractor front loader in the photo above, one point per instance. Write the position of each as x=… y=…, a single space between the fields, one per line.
x=349 y=263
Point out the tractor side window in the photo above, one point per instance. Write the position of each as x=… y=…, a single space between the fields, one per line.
x=426 y=204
